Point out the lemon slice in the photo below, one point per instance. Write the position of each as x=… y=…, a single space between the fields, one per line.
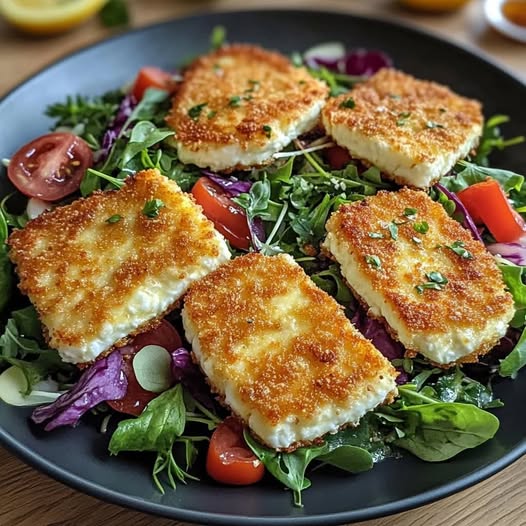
x=434 y=5
x=46 y=17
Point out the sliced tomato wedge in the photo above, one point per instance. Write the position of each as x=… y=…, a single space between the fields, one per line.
x=229 y=459
x=136 y=398
x=151 y=77
x=487 y=203
x=228 y=217
x=51 y=166
x=337 y=157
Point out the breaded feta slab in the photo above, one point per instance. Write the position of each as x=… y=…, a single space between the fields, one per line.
x=101 y=269
x=413 y=130
x=281 y=353
x=241 y=104
x=439 y=291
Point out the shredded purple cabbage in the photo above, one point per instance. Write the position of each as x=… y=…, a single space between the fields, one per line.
x=186 y=372
x=375 y=331
x=513 y=252
x=357 y=62
x=103 y=381
x=460 y=209
x=125 y=109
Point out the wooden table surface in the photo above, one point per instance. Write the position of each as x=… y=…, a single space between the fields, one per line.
x=28 y=498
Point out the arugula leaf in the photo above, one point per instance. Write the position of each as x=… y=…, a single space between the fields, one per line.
x=6 y=275
x=15 y=220
x=515 y=360
x=28 y=323
x=331 y=281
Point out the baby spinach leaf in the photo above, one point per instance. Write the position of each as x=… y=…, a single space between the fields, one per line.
x=28 y=324
x=349 y=458
x=516 y=359
x=439 y=431
x=513 y=276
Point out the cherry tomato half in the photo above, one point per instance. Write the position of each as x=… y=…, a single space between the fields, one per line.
x=151 y=77
x=51 y=166
x=136 y=398
x=229 y=459
x=337 y=157
x=228 y=217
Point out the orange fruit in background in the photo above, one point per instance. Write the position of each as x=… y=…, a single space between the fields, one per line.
x=47 y=17
x=435 y=6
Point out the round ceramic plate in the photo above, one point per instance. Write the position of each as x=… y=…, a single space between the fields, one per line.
x=79 y=456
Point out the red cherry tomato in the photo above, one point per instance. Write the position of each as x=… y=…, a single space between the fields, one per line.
x=228 y=217
x=137 y=398
x=151 y=77
x=337 y=157
x=229 y=459
x=51 y=166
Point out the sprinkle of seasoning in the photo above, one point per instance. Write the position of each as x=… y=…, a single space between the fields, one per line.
x=235 y=101
x=115 y=218
x=376 y=235
x=211 y=114
x=410 y=213
x=195 y=111
x=393 y=230
x=152 y=208
x=436 y=282
x=374 y=261
x=268 y=130
x=458 y=248
x=402 y=118
x=431 y=125
x=422 y=227
x=254 y=85
x=348 y=103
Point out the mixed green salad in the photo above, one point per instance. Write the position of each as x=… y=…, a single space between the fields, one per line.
x=158 y=402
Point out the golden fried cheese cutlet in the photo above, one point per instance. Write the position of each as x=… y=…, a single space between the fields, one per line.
x=94 y=281
x=439 y=291
x=239 y=105
x=413 y=130
x=281 y=353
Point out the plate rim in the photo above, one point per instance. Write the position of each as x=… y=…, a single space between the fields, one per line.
x=49 y=468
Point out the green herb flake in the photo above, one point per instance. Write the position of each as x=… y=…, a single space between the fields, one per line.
x=374 y=261
x=458 y=248
x=254 y=86
x=393 y=230
x=152 y=208
x=437 y=281
x=422 y=227
x=195 y=111
x=217 y=37
x=432 y=124
x=211 y=114
x=268 y=131
x=402 y=118
x=235 y=101
x=410 y=212
x=115 y=218
x=376 y=235
x=348 y=103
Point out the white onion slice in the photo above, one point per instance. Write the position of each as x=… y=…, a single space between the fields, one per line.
x=36 y=206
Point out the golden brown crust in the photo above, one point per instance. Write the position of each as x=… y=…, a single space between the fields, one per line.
x=80 y=271
x=270 y=90
x=285 y=344
x=475 y=291
x=422 y=118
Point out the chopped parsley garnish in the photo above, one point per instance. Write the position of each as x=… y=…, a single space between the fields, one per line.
x=235 y=101
x=376 y=235
x=422 y=227
x=394 y=96
x=393 y=230
x=402 y=118
x=458 y=248
x=267 y=130
x=195 y=111
x=436 y=282
x=115 y=218
x=374 y=261
x=211 y=114
x=431 y=125
x=152 y=208
x=254 y=85
x=348 y=103
x=410 y=212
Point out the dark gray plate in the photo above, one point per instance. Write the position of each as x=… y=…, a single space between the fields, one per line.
x=79 y=457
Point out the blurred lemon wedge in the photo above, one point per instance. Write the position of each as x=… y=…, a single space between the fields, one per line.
x=47 y=17
x=436 y=6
